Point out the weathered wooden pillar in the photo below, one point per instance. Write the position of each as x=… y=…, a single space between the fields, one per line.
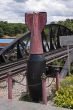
x=9 y=85
x=44 y=92
x=57 y=79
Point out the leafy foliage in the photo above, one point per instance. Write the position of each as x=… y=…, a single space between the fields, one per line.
x=12 y=29
x=58 y=62
x=64 y=96
x=1 y=32
x=68 y=23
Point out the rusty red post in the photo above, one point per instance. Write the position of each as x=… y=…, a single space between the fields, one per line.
x=57 y=79
x=36 y=63
x=44 y=92
x=9 y=85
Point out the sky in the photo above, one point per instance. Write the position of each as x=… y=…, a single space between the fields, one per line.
x=14 y=10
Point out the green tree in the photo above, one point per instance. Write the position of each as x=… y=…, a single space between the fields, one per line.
x=68 y=23
x=1 y=32
x=13 y=29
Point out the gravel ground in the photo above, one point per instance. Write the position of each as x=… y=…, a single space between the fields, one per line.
x=18 y=89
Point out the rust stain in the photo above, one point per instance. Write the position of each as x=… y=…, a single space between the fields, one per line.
x=4 y=44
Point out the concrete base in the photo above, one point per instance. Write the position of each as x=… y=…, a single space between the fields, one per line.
x=20 y=105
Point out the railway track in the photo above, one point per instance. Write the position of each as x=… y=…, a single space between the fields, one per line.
x=13 y=67
x=19 y=66
x=58 y=54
